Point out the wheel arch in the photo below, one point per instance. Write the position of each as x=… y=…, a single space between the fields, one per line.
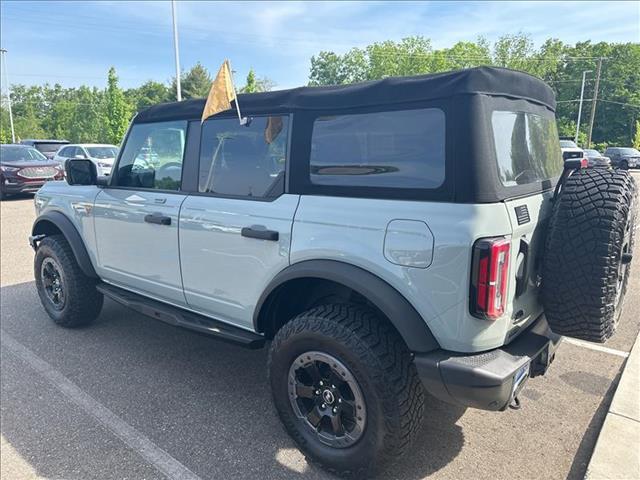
x=56 y=223
x=333 y=276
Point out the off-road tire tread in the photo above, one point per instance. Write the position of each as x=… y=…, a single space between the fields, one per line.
x=582 y=253
x=83 y=301
x=389 y=364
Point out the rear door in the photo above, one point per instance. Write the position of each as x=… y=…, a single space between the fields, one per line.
x=235 y=230
x=136 y=217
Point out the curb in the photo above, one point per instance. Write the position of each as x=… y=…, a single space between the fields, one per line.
x=616 y=454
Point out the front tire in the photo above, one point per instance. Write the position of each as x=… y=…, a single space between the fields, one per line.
x=346 y=389
x=67 y=294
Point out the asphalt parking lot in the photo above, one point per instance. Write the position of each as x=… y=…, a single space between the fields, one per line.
x=131 y=398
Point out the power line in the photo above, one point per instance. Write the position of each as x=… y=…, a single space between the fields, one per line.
x=620 y=103
x=230 y=37
x=601 y=100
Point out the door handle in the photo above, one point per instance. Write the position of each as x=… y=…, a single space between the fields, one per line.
x=157 y=219
x=260 y=233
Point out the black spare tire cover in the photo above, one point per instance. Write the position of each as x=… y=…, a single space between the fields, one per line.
x=588 y=253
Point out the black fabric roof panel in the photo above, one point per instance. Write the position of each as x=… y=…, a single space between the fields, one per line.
x=388 y=91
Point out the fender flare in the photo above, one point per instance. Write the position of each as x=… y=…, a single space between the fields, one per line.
x=404 y=317
x=70 y=233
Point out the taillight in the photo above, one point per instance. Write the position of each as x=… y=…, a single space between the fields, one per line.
x=489 y=277
x=584 y=163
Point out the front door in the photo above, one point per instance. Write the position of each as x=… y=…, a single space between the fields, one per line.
x=136 y=217
x=235 y=233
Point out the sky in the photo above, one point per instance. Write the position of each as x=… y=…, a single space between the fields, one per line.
x=75 y=43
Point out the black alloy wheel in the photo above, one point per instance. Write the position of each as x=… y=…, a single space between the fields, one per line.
x=325 y=395
x=53 y=282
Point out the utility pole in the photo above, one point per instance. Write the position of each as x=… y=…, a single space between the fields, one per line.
x=6 y=76
x=584 y=75
x=176 y=50
x=595 y=102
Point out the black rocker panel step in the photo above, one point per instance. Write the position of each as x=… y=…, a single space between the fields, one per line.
x=181 y=318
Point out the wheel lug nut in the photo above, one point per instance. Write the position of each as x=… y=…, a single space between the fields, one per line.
x=317 y=392
x=323 y=406
x=335 y=409
x=339 y=400
x=333 y=386
x=321 y=384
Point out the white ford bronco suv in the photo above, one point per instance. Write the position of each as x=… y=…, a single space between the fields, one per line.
x=386 y=239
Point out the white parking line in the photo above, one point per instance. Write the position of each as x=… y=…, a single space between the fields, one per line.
x=596 y=347
x=144 y=447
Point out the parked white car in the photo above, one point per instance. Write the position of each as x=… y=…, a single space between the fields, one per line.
x=103 y=155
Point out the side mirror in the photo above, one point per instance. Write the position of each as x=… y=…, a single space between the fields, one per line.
x=81 y=172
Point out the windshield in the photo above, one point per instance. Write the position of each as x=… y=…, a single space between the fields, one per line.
x=527 y=148
x=592 y=153
x=10 y=153
x=568 y=144
x=103 y=152
x=628 y=151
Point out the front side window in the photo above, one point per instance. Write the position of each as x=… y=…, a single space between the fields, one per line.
x=239 y=160
x=527 y=147
x=402 y=149
x=152 y=156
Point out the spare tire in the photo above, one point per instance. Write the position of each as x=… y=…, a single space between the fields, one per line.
x=588 y=253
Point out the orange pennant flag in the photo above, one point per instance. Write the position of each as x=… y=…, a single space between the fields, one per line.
x=221 y=93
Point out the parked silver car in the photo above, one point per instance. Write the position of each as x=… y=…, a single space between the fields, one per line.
x=596 y=159
x=102 y=155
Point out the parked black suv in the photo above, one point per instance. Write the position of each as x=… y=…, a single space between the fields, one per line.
x=623 y=157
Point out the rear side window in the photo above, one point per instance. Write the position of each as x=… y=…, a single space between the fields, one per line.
x=527 y=147
x=48 y=148
x=152 y=156
x=402 y=149
x=244 y=160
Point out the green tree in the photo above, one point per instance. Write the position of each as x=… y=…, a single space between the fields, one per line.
x=254 y=84
x=116 y=110
x=5 y=125
x=148 y=94
x=195 y=83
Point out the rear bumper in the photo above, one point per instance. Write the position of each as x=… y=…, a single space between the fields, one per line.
x=489 y=380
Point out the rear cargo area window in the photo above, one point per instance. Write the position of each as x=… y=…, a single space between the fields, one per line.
x=402 y=149
x=527 y=147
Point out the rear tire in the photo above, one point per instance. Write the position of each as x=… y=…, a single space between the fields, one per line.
x=389 y=396
x=67 y=294
x=588 y=251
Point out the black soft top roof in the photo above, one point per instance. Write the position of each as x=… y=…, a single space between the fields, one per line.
x=482 y=80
